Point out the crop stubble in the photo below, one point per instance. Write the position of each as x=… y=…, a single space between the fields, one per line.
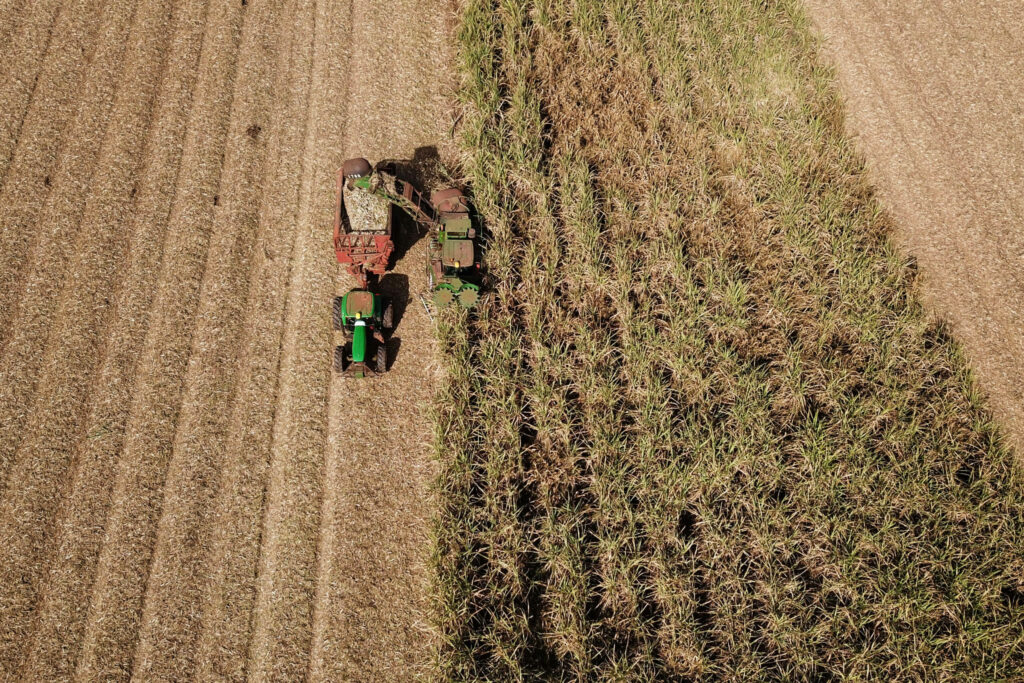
x=235 y=527
x=165 y=276
x=79 y=538
x=176 y=581
x=71 y=324
x=41 y=92
x=9 y=12
x=283 y=615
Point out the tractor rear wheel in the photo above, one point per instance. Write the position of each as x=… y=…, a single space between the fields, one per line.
x=389 y=316
x=338 y=313
x=382 y=359
x=339 y=359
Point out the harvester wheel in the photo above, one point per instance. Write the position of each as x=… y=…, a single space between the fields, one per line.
x=443 y=295
x=389 y=316
x=382 y=359
x=339 y=359
x=338 y=313
x=468 y=295
x=356 y=168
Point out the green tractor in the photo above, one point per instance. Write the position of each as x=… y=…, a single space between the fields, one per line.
x=362 y=317
x=453 y=270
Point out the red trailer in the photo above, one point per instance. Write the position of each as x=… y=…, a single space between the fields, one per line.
x=362 y=240
x=363 y=216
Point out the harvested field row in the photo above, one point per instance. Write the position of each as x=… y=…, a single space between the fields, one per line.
x=177 y=578
x=68 y=314
x=282 y=618
x=42 y=89
x=165 y=279
x=60 y=238
x=64 y=604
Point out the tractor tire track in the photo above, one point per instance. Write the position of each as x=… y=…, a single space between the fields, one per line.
x=237 y=514
x=58 y=234
x=52 y=651
x=77 y=330
x=173 y=598
x=116 y=603
x=283 y=615
x=371 y=612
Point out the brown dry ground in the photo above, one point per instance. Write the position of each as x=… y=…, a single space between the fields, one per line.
x=936 y=104
x=184 y=491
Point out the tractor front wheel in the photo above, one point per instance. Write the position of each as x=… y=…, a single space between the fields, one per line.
x=340 y=361
x=382 y=359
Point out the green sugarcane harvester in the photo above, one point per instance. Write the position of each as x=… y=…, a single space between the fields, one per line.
x=453 y=268
x=362 y=242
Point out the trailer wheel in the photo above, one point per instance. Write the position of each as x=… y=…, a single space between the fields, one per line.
x=356 y=168
x=382 y=359
x=338 y=313
x=389 y=316
x=339 y=359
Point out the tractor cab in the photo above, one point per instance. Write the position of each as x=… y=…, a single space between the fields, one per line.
x=361 y=317
x=456 y=257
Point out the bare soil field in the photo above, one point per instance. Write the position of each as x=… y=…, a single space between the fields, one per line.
x=183 y=489
x=935 y=103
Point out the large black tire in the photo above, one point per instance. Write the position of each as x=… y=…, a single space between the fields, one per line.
x=389 y=316
x=339 y=359
x=337 y=314
x=382 y=359
x=356 y=168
